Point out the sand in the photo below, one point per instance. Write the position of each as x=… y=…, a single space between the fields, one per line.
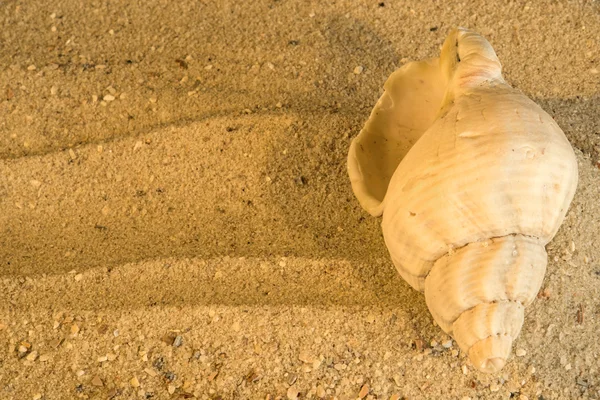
x=176 y=219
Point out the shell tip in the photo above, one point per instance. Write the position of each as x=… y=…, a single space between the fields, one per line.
x=492 y=365
x=490 y=354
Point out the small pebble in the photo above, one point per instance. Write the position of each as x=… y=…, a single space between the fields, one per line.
x=447 y=344
x=320 y=392
x=37 y=396
x=171 y=389
x=134 y=382
x=494 y=387
x=44 y=357
x=178 y=341
x=358 y=70
x=32 y=356
x=340 y=366
x=74 y=329
x=568 y=367
x=395 y=396
x=292 y=393
x=364 y=391
x=108 y=97
x=96 y=381
x=520 y=352
x=31 y=68
x=78 y=277
x=292 y=379
x=305 y=357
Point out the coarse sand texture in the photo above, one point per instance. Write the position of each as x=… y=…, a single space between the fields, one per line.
x=177 y=221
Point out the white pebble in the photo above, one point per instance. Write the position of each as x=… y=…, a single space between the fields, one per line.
x=520 y=352
x=32 y=356
x=292 y=393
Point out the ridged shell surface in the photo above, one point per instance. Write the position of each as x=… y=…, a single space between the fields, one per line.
x=473 y=179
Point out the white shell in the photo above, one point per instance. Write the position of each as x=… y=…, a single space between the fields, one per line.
x=473 y=180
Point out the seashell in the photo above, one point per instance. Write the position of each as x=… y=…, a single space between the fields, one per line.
x=473 y=179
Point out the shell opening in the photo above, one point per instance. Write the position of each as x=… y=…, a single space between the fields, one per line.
x=415 y=95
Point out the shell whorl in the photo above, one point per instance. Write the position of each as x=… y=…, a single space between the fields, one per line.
x=478 y=293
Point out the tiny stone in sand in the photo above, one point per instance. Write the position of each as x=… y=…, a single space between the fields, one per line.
x=96 y=381
x=292 y=393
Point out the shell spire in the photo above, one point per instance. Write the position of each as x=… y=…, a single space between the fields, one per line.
x=472 y=179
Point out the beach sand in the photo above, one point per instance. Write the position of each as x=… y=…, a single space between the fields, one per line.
x=176 y=219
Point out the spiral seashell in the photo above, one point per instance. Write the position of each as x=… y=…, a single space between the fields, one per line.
x=473 y=179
